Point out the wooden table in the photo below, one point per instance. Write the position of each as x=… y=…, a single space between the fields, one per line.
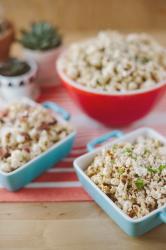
x=70 y=225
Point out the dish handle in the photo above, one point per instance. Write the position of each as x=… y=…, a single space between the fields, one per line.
x=58 y=109
x=114 y=134
x=163 y=216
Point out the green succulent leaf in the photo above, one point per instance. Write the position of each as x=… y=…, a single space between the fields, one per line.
x=41 y=36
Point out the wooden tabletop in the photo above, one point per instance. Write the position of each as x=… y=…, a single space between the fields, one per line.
x=68 y=226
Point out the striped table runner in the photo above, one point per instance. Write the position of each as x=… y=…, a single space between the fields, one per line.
x=60 y=182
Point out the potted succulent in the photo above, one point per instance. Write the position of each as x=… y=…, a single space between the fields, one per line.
x=42 y=43
x=17 y=79
x=6 y=38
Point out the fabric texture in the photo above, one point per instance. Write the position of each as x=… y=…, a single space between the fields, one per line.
x=60 y=183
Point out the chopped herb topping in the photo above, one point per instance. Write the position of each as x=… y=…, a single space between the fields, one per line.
x=136 y=186
x=161 y=168
x=139 y=183
x=115 y=146
x=153 y=170
x=121 y=170
x=112 y=161
x=146 y=151
x=128 y=151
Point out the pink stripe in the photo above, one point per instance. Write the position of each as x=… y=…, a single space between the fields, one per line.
x=56 y=177
x=45 y=194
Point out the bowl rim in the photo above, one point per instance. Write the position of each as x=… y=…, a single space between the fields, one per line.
x=64 y=77
x=81 y=171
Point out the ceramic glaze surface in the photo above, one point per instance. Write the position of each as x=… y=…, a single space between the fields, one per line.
x=25 y=174
x=133 y=227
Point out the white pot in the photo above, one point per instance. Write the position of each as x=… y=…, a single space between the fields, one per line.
x=15 y=87
x=47 y=74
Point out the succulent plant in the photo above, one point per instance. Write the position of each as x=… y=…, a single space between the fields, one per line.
x=41 y=36
x=14 y=67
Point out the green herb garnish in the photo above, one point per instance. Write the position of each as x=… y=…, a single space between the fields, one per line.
x=121 y=170
x=139 y=183
x=128 y=151
x=112 y=161
x=146 y=151
x=161 y=168
x=156 y=170
x=152 y=170
x=114 y=146
x=145 y=60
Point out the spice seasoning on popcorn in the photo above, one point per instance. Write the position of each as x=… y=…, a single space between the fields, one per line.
x=113 y=62
x=26 y=132
x=133 y=175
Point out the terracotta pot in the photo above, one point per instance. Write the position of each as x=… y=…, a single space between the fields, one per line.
x=6 y=39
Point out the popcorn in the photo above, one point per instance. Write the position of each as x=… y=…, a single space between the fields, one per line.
x=36 y=150
x=17 y=157
x=20 y=138
x=26 y=132
x=113 y=62
x=133 y=175
x=127 y=206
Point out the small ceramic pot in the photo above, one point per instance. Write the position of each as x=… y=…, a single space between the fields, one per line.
x=46 y=64
x=15 y=87
x=6 y=39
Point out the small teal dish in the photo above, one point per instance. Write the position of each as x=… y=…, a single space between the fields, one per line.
x=34 y=168
x=133 y=227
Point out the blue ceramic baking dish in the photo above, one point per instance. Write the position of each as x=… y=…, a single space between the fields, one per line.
x=133 y=227
x=25 y=174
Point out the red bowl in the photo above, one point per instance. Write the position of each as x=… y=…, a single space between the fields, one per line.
x=112 y=109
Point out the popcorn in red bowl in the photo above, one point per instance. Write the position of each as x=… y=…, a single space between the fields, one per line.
x=116 y=79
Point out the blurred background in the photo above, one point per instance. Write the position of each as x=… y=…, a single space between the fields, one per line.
x=89 y=15
x=78 y=19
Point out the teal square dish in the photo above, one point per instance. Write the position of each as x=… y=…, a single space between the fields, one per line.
x=133 y=227
x=25 y=174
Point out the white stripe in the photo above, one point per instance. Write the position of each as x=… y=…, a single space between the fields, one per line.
x=60 y=170
x=152 y=119
x=52 y=184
